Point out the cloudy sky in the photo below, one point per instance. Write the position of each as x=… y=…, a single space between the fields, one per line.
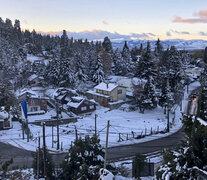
x=126 y=19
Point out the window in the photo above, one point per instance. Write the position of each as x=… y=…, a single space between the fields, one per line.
x=83 y=108
x=91 y=107
x=119 y=91
x=33 y=109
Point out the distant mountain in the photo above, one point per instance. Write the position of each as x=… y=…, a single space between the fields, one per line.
x=178 y=43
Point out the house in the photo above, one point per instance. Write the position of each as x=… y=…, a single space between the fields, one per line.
x=5 y=120
x=127 y=82
x=80 y=105
x=35 y=80
x=107 y=94
x=36 y=103
x=63 y=95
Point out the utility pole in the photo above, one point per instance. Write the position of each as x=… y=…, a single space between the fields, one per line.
x=27 y=130
x=58 y=138
x=44 y=152
x=38 y=159
x=168 y=119
x=52 y=136
x=106 y=148
x=95 y=125
x=23 y=130
x=76 y=133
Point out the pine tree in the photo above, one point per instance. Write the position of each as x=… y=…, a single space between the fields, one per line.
x=146 y=66
x=141 y=50
x=127 y=60
x=98 y=76
x=106 y=61
x=158 y=48
x=202 y=102
x=107 y=46
x=149 y=99
x=64 y=43
x=205 y=56
x=84 y=160
x=134 y=53
x=166 y=98
x=119 y=67
x=138 y=93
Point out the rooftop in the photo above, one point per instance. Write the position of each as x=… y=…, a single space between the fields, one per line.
x=106 y=87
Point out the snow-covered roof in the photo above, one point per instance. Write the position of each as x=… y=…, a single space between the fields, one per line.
x=47 y=116
x=106 y=87
x=75 y=104
x=77 y=98
x=137 y=81
x=97 y=94
x=33 y=94
x=3 y=115
x=32 y=77
x=26 y=91
x=37 y=88
x=36 y=112
x=77 y=101
x=202 y=121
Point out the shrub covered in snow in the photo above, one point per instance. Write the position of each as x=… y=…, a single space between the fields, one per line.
x=84 y=160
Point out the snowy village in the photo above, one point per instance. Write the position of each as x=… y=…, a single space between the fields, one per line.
x=102 y=108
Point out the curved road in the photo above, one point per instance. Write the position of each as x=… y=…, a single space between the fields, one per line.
x=23 y=158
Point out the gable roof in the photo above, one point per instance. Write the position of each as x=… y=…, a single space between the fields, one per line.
x=77 y=101
x=32 y=77
x=106 y=87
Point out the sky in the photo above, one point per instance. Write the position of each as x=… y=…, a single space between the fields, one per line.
x=119 y=19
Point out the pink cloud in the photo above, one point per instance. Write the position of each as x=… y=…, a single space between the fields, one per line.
x=201 y=18
x=105 y=23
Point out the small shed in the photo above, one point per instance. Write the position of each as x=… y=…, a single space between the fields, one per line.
x=80 y=105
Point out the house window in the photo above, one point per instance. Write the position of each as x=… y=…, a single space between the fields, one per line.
x=83 y=108
x=91 y=107
x=33 y=109
x=120 y=91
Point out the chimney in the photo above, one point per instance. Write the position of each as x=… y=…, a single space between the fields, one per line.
x=107 y=85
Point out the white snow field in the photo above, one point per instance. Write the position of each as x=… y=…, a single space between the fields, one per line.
x=121 y=122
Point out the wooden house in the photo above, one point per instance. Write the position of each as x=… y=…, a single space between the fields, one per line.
x=80 y=105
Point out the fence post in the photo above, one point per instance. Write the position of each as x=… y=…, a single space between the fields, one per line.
x=133 y=134
x=127 y=136
x=145 y=131
x=61 y=146
x=151 y=130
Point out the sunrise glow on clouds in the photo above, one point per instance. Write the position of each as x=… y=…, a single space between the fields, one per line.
x=145 y=19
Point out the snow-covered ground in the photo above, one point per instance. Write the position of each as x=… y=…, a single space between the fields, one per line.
x=121 y=122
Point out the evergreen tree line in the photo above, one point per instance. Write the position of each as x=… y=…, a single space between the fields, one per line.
x=75 y=63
